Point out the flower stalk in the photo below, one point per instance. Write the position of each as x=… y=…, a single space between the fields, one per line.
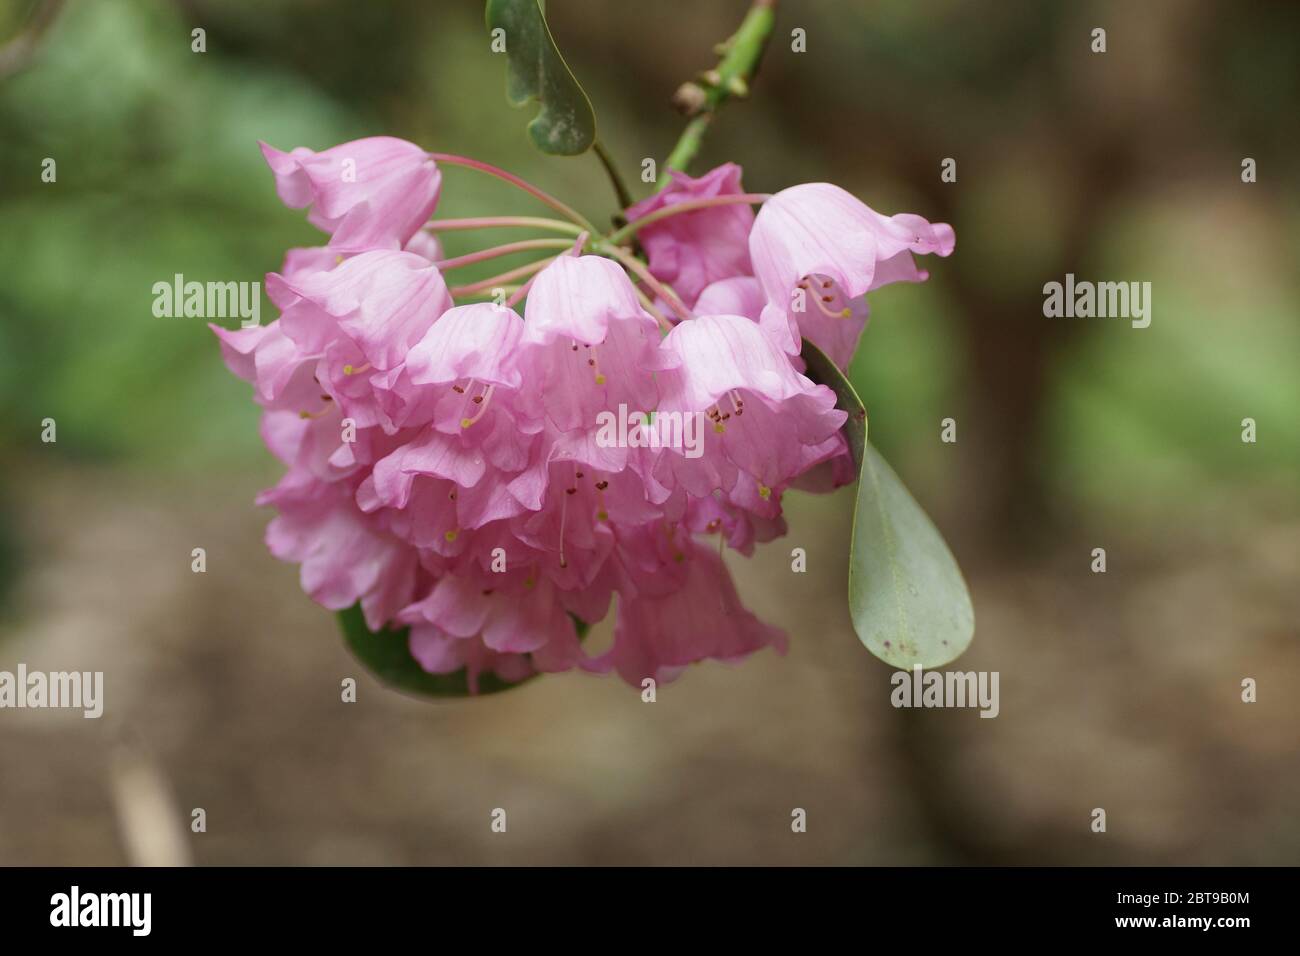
x=621 y=191
x=504 y=277
x=564 y=209
x=502 y=250
x=495 y=222
x=730 y=78
x=642 y=272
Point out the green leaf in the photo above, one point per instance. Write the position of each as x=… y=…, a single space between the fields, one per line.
x=822 y=369
x=566 y=124
x=907 y=596
x=386 y=656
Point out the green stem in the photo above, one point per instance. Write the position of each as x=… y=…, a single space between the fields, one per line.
x=688 y=145
x=730 y=78
x=501 y=279
x=495 y=222
x=616 y=180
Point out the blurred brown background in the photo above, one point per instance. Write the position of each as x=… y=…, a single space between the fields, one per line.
x=1119 y=690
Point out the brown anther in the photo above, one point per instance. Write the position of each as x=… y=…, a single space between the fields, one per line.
x=602 y=485
x=458 y=390
x=478 y=399
x=570 y=491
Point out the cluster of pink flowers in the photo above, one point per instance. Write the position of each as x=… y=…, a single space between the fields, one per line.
x=445 y=464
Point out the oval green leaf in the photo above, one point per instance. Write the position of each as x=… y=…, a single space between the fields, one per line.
x=906 y=594
x=566 y=124
x=907 y=597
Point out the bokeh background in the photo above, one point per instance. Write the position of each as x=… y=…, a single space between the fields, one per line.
x=1119 y=690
